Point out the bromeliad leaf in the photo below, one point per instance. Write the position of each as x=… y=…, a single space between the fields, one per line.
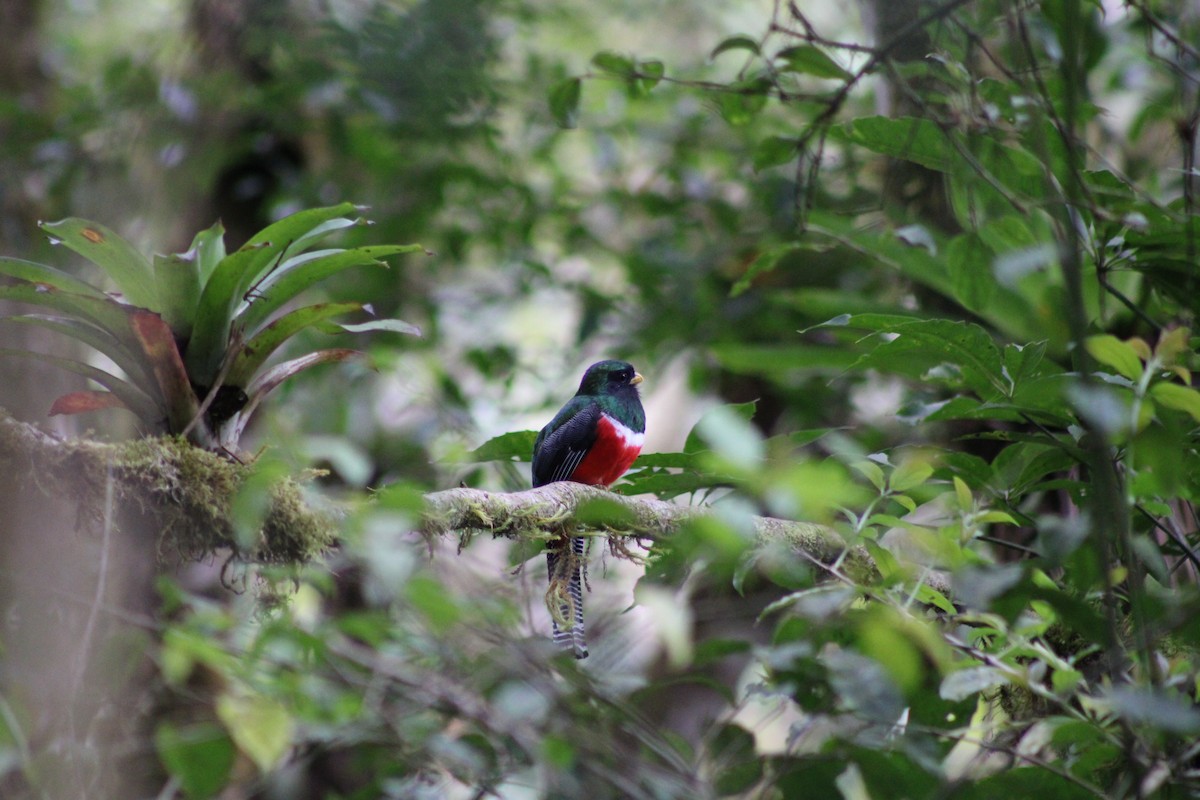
x=133 y=398
x=251 y=358
x=97 y=338
x=302 y=272
x=262 y=385
x=84 y=401
x=127 y=268
x=179 y=281
x=233 y=278
x=392 y=325
x=158 y=346
x=49 y=277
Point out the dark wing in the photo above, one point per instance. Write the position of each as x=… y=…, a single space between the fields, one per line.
x=562 y=444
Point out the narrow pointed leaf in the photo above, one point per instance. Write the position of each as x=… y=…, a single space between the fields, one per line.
x=302 y=225
x=127 y=268
x=104 y=313
x=259 y=349
x=279 y=373
x=36 y=273
x=208 y=249
x=158 y=345
x=98 y=339
x=214 y=313
x=134 y=399
x=179 y=283
x=238 y=274
x=85 y=401
x=302 y=272
x=564 y=102
x=392 y=325
x=267 y=381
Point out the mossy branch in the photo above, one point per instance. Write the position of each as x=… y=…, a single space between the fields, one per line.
x=575 y=508
x=181 y=492
x=187 y=494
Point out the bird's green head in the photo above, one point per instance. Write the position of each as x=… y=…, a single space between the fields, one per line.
x=609 y=377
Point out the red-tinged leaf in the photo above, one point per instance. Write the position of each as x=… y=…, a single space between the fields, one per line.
x=85 y=401
x=132 y=397
x=158 y=344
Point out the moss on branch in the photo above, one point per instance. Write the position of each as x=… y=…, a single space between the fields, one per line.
x=182 y=492
x=549 y=509
x=186 y=495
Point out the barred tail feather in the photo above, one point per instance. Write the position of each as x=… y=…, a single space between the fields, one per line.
x=574 y=638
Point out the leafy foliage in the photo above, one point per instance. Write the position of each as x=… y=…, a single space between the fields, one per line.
x=194 y=330
x=937 y=286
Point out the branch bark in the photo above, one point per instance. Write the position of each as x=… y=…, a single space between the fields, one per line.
x=188 y=492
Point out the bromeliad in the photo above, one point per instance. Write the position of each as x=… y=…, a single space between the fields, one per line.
x=593 y=439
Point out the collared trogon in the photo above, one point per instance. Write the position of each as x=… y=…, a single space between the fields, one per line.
x=593 y=439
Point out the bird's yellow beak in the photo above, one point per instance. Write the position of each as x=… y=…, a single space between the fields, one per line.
x=636 y=379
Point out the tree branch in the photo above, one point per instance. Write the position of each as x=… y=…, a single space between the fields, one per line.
x=575 y=509
x=187 y=494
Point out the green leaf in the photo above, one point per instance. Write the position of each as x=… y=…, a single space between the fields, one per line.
x=133 y=398
x=1180 y=398
x=513 y=446
x=961 y=684
x=208 y=250
x=765 y=262
x=237 y=273
x=564 y=102
x=302 y=272
x=650 y=74
x=613 y=64
x=1112 y=352
x=773 y=151
x=255 y=353
x=738 y=42
x=98 y=339
x=956 y=354
x=181 y=276
x=810 y=60
x=36 y=273
x=200 y=756
x=872 y=472
x=741 y=102
x=260 y=727
x=108 y=315
x=179 y=281
x=738 y=765
x=909 y=475
x=718 y=417
x=910 y=139
x=127 y=268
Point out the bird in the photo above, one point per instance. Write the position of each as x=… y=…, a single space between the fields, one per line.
x=593 y=439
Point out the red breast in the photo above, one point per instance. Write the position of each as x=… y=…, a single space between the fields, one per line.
x=613 y=453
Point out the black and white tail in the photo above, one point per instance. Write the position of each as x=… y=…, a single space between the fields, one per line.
x=574 y=638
